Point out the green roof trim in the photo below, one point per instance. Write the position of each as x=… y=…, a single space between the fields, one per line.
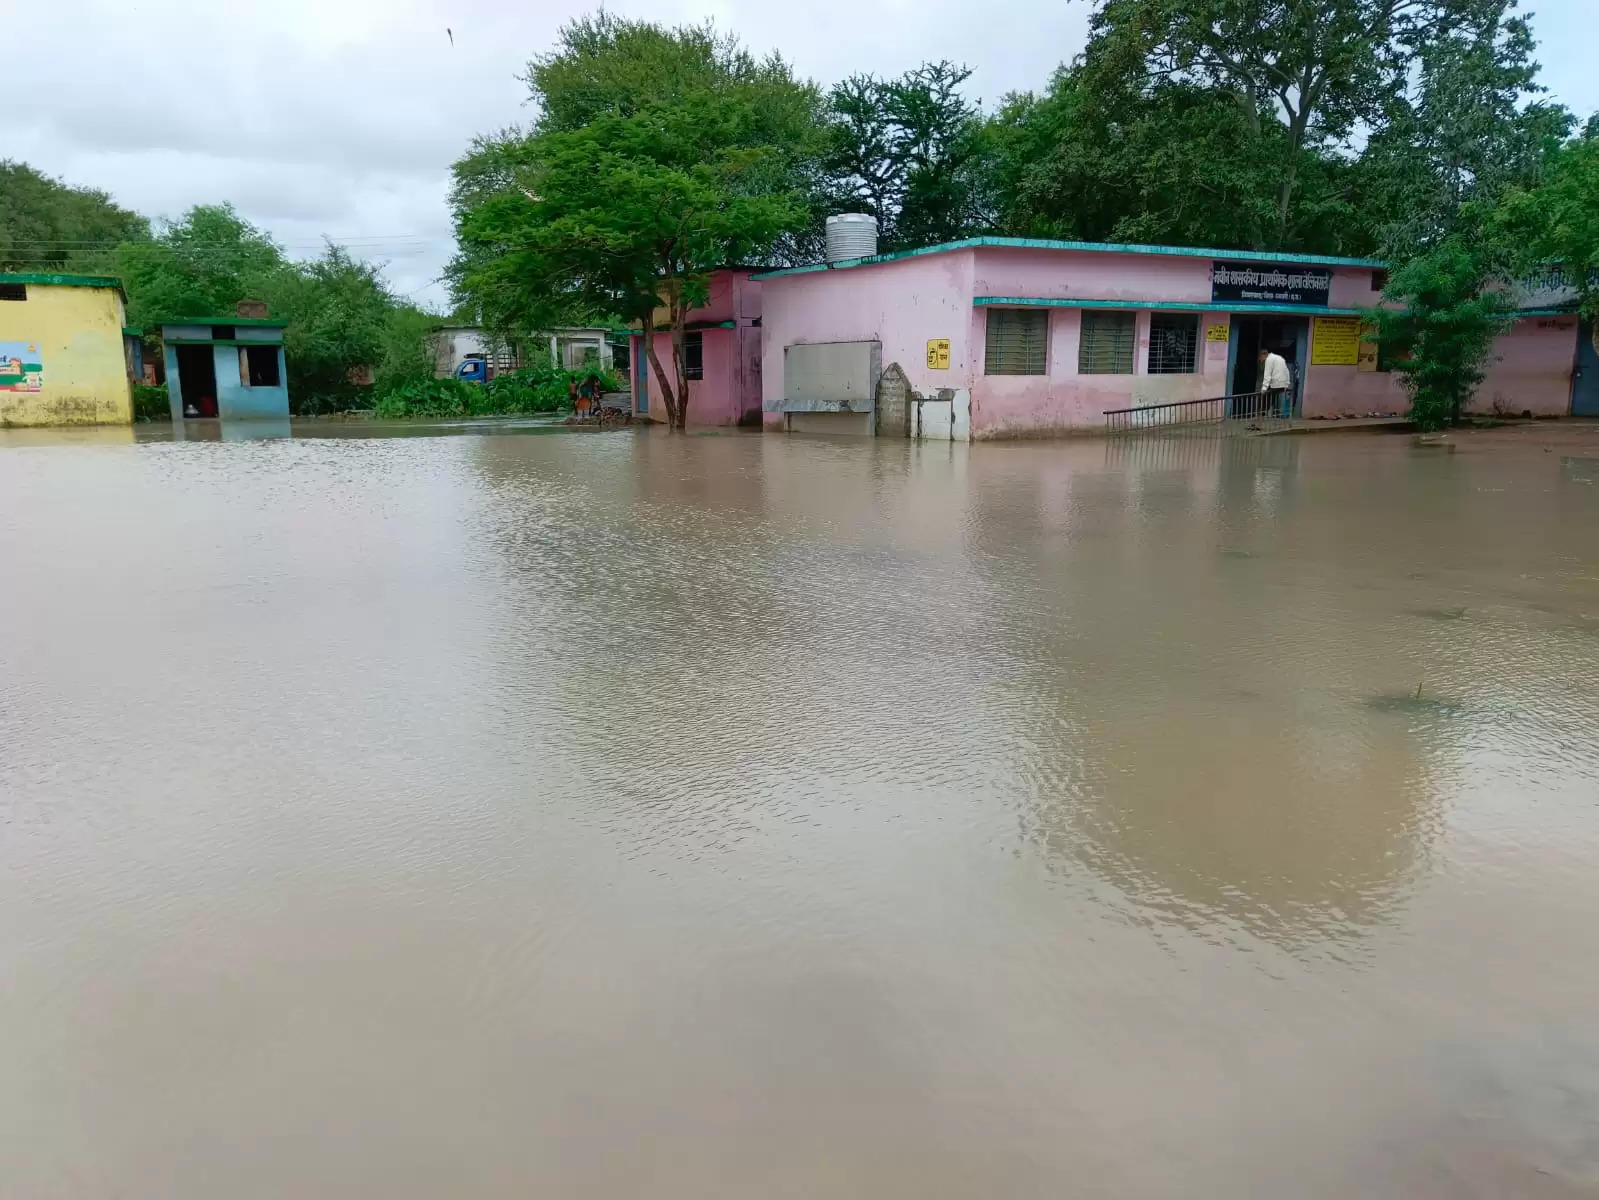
x=253 y=322
x=129 y=331
x=1234 y=306
x=172 y=341
x=88 y=281
x=1238 y=307
x=1317 y=260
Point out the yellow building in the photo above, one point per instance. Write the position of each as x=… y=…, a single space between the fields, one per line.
x=61 y=351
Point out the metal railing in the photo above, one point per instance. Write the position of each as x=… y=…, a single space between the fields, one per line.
x=1163 y=416
x=1258 y=406
x=1216 y=411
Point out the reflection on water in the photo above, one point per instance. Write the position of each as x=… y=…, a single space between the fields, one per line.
x=217 y=430
x=623 y=813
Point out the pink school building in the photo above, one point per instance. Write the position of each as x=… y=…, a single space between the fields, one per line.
x=722 y=348
x=1005 y=337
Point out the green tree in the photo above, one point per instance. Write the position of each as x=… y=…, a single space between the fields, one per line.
x=1098 y=159
x=1463 y=129
x=1446 y=312
x=198 y=266
x=911 y=151
x=339 y=312
x=1556 y=223
x=658 y=155
x=1322 y=71
x=47 y=225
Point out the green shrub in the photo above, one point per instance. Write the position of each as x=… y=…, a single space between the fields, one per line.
x=425 y=398
x=150 y=403
x=537 y=389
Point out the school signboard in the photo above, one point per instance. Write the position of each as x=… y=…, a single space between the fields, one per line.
x=1269 y=283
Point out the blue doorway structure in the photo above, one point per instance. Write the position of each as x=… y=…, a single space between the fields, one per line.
x=1585 y=380
x=641 y=375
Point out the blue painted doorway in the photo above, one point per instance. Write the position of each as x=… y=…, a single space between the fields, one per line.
x=1585 y=383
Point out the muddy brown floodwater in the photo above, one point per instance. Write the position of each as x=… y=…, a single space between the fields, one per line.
x=630 y=815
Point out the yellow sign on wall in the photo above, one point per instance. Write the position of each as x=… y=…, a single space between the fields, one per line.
x=1216 y=333
x=938 y=354
x=1335 y=342
x=1367 y=354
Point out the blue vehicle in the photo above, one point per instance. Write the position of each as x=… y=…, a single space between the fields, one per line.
x=473 y=370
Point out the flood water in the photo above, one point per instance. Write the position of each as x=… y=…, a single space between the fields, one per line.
x=624 y=815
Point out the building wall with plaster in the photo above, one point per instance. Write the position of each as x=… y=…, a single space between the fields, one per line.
x=64 y=358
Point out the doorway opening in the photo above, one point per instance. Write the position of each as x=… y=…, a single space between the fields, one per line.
x=1287 y=336
x=197 y=381
x=1585 y=382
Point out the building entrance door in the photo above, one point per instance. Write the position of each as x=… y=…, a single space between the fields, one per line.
x=1288 y=336
x=1585 y=383
x=197 y=381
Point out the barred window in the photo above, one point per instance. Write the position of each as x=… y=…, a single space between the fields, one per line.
x=1106 y=347
x=1017 y=341
x=694 y=355
x=1173 y=343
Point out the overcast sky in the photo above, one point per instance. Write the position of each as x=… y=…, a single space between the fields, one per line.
x=340 y=118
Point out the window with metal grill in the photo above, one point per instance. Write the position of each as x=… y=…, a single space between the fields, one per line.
x=1173 y=343
x=1017 y=342
x=694 y=355
x=1106 y=347
x=13 y=291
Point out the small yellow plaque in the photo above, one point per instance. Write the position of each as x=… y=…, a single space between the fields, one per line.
x=938 y=354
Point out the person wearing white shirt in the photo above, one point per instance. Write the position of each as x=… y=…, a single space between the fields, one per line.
x=1274 y=382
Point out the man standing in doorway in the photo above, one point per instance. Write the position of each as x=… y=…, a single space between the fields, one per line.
x=1275 y=383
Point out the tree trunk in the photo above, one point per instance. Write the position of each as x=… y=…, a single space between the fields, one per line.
x=660 y=374
x=679 y=315
x=1284 y=199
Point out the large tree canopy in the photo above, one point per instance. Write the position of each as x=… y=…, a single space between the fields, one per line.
x=1554 y=226
x=658 y=155
x=1322 y=77
x=47 y=225
x=911 y=152
x=1172 y=163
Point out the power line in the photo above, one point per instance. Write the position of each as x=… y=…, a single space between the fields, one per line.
x=86 y=245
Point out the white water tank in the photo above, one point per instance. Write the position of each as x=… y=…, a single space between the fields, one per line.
x=851 y=235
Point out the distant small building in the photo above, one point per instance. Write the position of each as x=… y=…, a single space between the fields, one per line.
x=227 y=367
x=457 y=344
x=577 y=346
x=570 y=348
x=62 y=353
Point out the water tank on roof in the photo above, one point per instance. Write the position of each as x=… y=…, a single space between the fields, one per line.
x=851 y=235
